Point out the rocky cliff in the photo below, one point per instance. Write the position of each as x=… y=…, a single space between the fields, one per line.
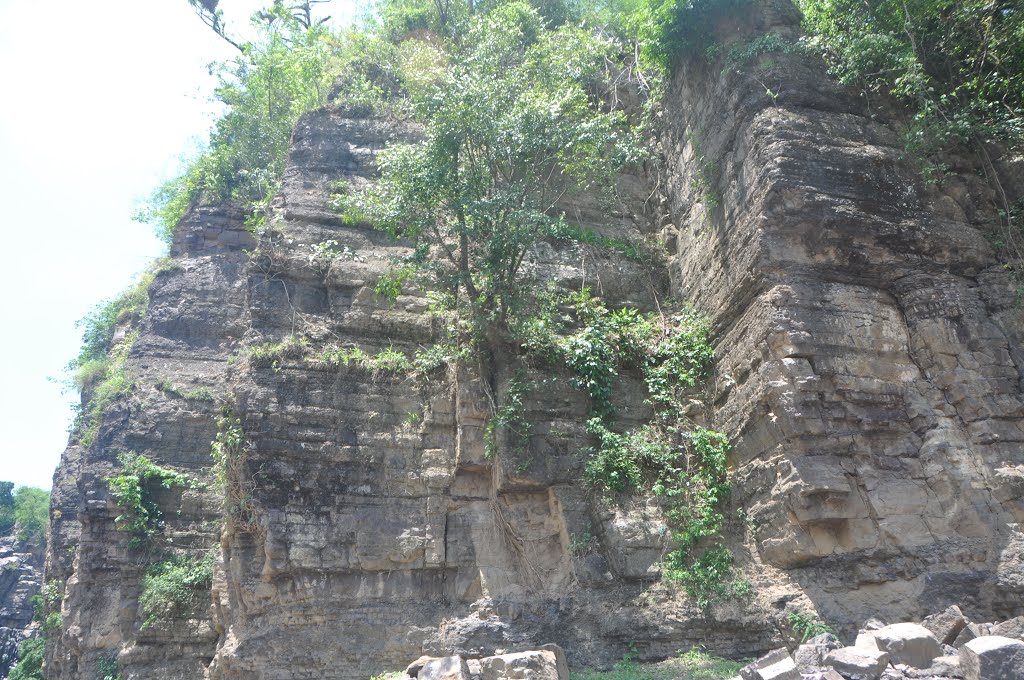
x=869 y=367
x=21 y=576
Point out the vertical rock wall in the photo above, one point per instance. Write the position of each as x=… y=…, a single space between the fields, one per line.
x=869 y=339
x=868 y=343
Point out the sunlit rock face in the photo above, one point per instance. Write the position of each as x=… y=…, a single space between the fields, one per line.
x=868 y=345
x=869 y=338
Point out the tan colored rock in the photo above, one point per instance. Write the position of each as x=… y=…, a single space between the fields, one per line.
x=858 y=663
x=993 y=657
x=1014 y=628
x=908 y=643
x=946 y=625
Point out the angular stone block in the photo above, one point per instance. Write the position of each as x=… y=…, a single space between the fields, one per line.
x=992 y=657
x=750 y=671
x=541 y=664
x=946 y=625
x=908 y=643
x=858 y=663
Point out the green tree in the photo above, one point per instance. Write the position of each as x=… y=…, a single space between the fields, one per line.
x=959 y=63
x=32 y=512
x=283 y=73
x=510 y=130
x=6 y=508
x=30 y=660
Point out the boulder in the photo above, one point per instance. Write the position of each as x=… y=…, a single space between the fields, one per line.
x=866 y=640
x=1014 y=628
x=776 y=656
x=992 y=657
x=942 y=667
x=858 y=663
x=946 y=625
x=413 y=669
x=970 y=631
x=810 y=656
x=540 y=664
x=908 y=643
x=445 y=668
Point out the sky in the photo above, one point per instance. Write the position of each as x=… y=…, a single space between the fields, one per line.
x=100 y=103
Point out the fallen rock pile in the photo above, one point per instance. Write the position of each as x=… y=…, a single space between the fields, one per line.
x=544 y=663
x=945 y=646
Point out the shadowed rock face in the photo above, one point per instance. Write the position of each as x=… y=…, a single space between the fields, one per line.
x=868 y=345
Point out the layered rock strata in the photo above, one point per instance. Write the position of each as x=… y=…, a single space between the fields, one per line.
x=869 y=338
x=869 y=351
x=21 y=576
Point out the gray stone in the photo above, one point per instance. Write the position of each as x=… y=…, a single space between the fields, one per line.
x=908 y=643
x=445 y=668
x=969 y=632
x=1014 y=628
x=942 y=666
x=992 y=657
x=750 y=671
x=858 y=663
x=946 y=625
x=540 y=664
x=413 y=669
x=810 y=655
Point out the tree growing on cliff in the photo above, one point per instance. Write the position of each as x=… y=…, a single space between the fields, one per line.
x=510 y=131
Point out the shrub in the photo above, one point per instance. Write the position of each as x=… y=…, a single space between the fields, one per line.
x=174 y=586
x=30 y=660
x=132 y=491
x=31 y=512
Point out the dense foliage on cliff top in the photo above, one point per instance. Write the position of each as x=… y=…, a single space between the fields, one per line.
x=959 y=63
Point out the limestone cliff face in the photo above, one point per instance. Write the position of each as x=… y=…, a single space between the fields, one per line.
x=869 y=373
x=869 y=351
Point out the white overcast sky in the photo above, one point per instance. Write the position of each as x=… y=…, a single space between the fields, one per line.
x=99 y=101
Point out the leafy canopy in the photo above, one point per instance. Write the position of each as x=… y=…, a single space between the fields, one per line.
x=510 y=130
x=276 y=78
x=26 y=511
x=960 y=63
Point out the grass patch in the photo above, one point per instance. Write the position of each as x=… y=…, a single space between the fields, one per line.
x=696 y=664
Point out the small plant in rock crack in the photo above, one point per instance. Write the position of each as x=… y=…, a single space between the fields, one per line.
x=807 y=625
x=322 y=254
x=230 y=453
x=509 y=420
x=133 y=489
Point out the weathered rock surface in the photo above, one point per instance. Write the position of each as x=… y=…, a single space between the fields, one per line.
x=992 y=657
x=946 y=625
x=775 y=665
x=445 y=668
x=908 y=643
x=858 y=663
x=543 y=664
x=21 y=576
x=869 y=344
x=870 y=356
x=810 y=656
